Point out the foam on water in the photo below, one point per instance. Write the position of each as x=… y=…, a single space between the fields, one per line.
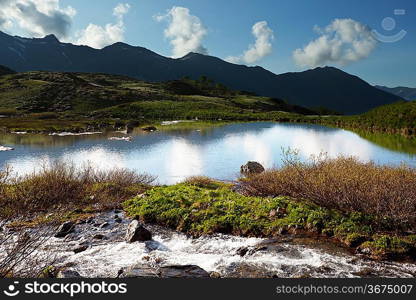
x=216 y=253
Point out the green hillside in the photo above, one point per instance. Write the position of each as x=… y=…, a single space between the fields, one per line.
x=45 y=101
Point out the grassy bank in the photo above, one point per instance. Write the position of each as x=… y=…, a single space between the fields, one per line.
x=197 y=209
x=369 y=208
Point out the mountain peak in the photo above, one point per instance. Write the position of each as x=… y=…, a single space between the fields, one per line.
x=192 y=55
x=327 y=68
x=51 y=38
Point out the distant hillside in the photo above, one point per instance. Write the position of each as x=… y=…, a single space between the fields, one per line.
x=44 y=100
x=401 y=91
x=5 y=71
x=321 y=87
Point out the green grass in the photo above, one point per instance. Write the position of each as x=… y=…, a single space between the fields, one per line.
x=207 y=207
x=91 y=100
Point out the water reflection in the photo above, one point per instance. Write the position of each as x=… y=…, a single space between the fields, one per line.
x=217 y=152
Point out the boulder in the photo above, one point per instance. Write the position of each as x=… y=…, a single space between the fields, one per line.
x=99 y=236
x=104 y=225
x=80 y=248
x=173 y=271
x=68 y=274
x=65 y=229
x=137 y=233
x=242 y=251
x=252 y=167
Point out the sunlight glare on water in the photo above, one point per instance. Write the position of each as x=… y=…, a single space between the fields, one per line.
x=217 y=152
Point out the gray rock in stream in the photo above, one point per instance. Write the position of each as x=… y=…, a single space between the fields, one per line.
x=68 y=274
x=65 y=229
x=137 y=233
x=174 y=271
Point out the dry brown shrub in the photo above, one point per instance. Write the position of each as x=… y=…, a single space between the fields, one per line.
x=344 y=183
x=61 y=186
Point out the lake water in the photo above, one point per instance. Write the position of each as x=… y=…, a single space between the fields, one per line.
x=217 y=151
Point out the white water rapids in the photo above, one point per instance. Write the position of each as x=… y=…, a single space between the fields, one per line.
x=217 y=253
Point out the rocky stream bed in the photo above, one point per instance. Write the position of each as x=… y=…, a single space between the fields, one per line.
x=98 y=247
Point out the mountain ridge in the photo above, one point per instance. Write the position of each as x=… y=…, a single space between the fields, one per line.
x=320 y=87
x=406 y=93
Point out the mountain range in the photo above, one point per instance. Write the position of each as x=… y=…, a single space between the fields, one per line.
x=321 y=87
x=401 y=91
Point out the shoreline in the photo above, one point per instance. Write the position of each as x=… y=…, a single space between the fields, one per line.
x=407 y=133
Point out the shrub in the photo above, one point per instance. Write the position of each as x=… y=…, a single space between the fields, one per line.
x=387 y=193
x=63 y=186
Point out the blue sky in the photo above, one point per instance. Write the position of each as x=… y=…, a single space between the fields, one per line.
x=229 y=24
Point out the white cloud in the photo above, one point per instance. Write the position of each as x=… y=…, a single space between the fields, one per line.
x=36 y=17
x=185 y=31
x=342 y=42
x=97 y=36
x=261 y=48
x=121 y=9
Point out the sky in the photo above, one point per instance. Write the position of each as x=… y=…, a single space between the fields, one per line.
x=375 y=40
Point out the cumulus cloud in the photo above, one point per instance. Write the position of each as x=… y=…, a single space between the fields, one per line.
x=185 y=31
x=262 y=47
x=342 y=42
x=37 y=17
x=97 y=36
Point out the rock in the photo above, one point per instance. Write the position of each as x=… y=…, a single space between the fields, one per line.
x=99 y=236
x=215 y=275
x=366 y=273
x=104 y=225
x=272 y=213
x=118 y=220
x=137 y=233
x=80 y=248
x=252 y=167
x=65 y=229
x=242 y=251
x=154 y=245
x=149 y=128
x=174 y=271
x=364 y=250
x=68 y=274
x=268 y=245
x=187 y=271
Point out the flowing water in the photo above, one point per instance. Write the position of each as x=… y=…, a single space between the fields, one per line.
x=177 y=152
x=285 y=257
